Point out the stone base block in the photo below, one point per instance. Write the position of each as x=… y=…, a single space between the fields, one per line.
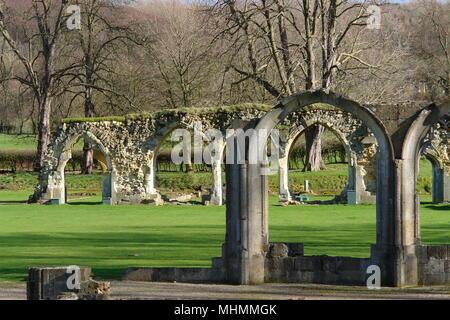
x=316 y=269
x=107 y=201
x=56 y=201
x=47 y=283
x=172 y=274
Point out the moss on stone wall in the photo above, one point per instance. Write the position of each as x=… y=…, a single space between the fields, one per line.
x=165 y=112
x=95 y=119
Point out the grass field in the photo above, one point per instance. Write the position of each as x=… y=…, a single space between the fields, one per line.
x=22 y=142
x=107 y=237
x=328 y=182
x=112 y=238
x=18 y=142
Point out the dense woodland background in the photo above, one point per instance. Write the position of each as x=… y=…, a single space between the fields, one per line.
x=145 y=56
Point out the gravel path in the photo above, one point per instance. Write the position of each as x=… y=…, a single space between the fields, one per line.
x=159 y=290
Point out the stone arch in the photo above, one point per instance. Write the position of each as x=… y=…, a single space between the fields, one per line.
x=440 y=190
x=436 y=149
x=52 y=176
x=410 y=155
x=350 y=133
x=154 y=144
x=247 y=239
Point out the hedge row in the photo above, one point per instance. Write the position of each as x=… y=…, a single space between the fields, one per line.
x=320 y=184
x=23 y=160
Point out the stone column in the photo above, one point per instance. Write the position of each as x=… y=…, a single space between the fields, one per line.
x=446 y=198
x=441 y=184
x=56 y=191
x=216 y=186
x=365 y=172
x=246 y=222
x=408 y=238
x=150 y=176
x=56 y=188
x=283 y=179
x=359 y=173
x=107 y=188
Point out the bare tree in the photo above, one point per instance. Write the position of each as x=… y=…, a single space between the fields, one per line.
x=286 y=40
x=97 y=45
x=40 y=71
x=431 y=46
x=180 y=52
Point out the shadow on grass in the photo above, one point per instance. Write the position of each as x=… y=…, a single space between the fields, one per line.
x=17 y=274
x=108 y=253
x=437 y=207
x=84 y=203
x=14 y=202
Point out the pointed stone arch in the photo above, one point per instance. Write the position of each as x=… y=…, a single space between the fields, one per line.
x=52 y=177
x=351 y=133
x=247 y=238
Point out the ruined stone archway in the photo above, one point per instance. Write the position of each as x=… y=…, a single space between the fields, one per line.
x=132 y=141
x=52 y=177
x=424 y=260
x=161 y=135
x=436 y=149
x=410 y=155
x=352 y=134
x=247 y=241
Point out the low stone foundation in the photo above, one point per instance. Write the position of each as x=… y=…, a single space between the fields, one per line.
x=286 y=263
x=317 y=269
x=173 y=274
x=433 y=264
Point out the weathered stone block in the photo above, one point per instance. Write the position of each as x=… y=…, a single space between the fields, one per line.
x=171 y=274
x=351 y=278
x=433 y=279
x=107 y=201
x=422 y=253
x=306 y=276
x=348 y=264
x=329 y=264
x=217 y=262
x=94 y=297
x=92 y=287
x=280 y=270
x=434 y=266
x=273 y=267
x=67 y=296
x=447 y=266
x=177 y=196
x=56 y=201
x=437 y=252
x=153 y=200
x=307 y=263
x=46 y=283
x=278 y=250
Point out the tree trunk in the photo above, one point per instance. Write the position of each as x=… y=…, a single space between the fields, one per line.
x=189 y=168
x=313 y=135
x=45 y=107
x=88 y=159
x=87 y=165
x=314 y=160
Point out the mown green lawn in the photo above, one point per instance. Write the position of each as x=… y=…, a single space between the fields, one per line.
x=23 y=142
x=107 y=237
x=18 y=142
x=328 y=182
